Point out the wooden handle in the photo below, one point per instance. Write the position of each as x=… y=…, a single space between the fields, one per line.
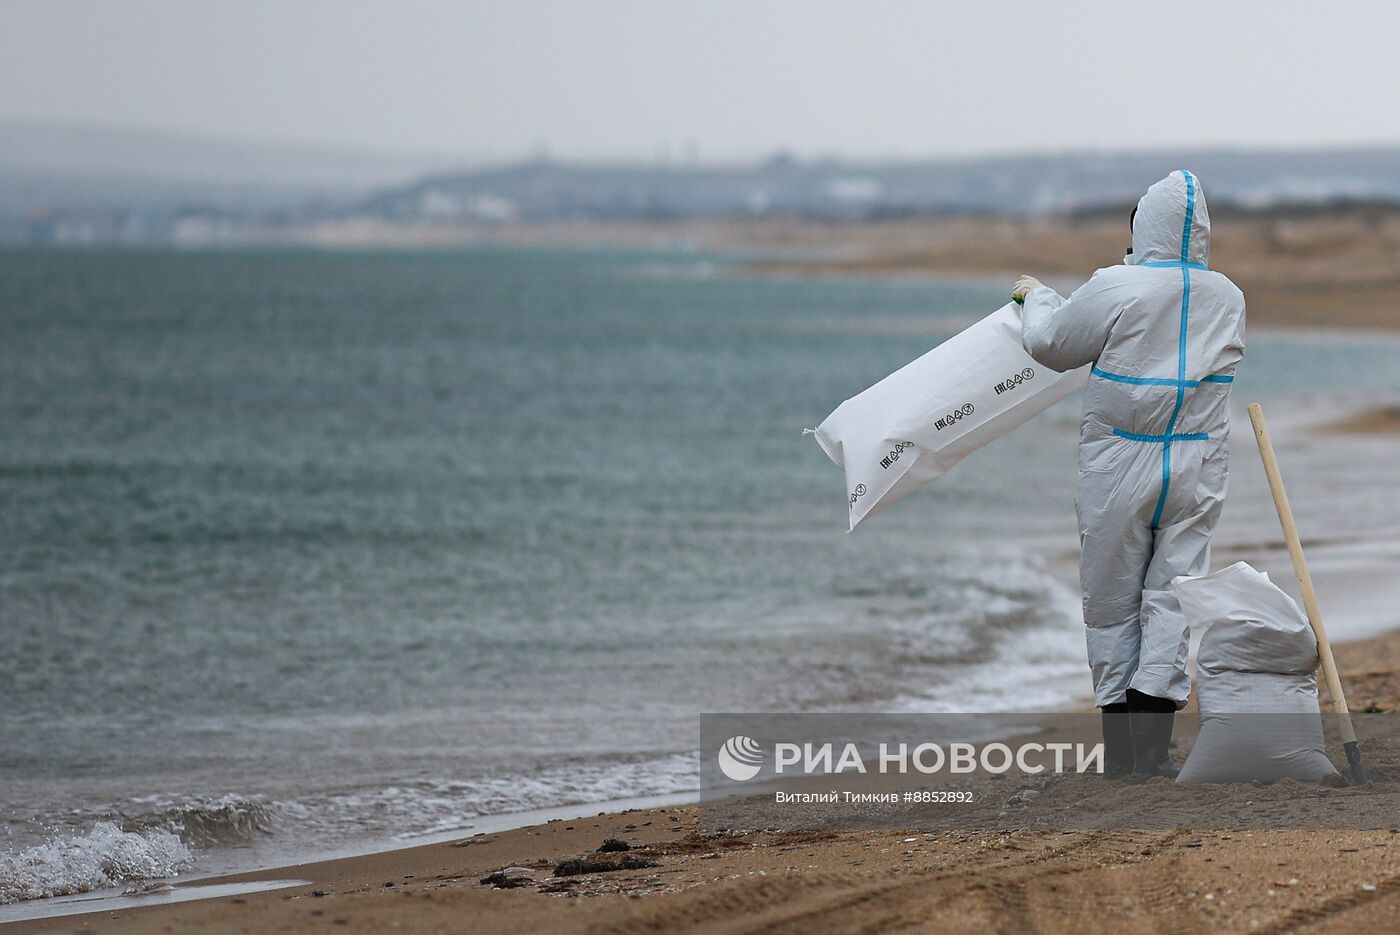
x=1300 y=569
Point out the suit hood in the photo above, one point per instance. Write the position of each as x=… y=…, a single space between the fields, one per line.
x=1172 y=224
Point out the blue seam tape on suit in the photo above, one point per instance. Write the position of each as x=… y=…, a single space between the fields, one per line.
x=1181 y=346
x=1174 y=264
x=1181 y=383
x=1190 y=213
x=1161 y=439
x=1160 y=381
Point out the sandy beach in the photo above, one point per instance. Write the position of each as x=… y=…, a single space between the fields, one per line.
x=1326 y=269
x=684 y=879
x=1329 y=267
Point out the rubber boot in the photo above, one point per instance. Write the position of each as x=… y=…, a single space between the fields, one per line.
x=1150 y=722
x=1117 y=741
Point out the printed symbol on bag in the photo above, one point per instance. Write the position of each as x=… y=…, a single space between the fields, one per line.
x=857 y=493
x=957 y=415
x=898 y=449
x=1015 y=381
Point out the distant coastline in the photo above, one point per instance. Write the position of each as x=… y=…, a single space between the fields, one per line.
x=1327 y=268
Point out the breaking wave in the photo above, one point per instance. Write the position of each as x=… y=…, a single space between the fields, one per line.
x=105 y=857
x=228 y=820
x=154 y=843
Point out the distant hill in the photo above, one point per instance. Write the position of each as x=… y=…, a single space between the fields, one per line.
x=86 y=184
x=1028 y=185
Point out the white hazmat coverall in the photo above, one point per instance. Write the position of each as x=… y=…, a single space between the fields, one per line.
x=1165 y=334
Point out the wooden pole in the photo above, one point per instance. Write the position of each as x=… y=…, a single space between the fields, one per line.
x=1305 y=586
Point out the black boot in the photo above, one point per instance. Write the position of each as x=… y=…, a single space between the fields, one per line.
x=1150 y=721
x=1117 y=741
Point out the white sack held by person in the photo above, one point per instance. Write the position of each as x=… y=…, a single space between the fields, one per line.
x=1255 y=682
x=927 y=416
x=1164 y=333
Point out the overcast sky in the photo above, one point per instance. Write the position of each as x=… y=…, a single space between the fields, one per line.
x=722 y=79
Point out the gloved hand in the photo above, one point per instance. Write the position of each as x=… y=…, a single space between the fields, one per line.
x=1024 y=285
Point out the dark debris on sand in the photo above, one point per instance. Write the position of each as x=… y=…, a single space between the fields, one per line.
x=598 y=864
x=611 y=845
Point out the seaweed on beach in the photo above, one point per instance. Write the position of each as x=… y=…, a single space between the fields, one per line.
x=508 y=879
x=596 y=864
x=611 y=845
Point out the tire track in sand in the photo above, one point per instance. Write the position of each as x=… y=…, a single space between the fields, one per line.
x=988 y=892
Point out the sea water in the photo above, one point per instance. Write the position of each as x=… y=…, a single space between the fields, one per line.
x=302 y=551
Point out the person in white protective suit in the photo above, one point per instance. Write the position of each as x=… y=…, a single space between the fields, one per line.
x=1165 y=334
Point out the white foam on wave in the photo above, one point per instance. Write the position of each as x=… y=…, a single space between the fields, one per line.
x=105 y=856
x=158 y=839
x=429 y=807
x=1009 y=639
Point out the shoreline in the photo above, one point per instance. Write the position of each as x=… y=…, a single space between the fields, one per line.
x=426 y=886
x=1335 y=269
x=785 y=875
x=171 y=888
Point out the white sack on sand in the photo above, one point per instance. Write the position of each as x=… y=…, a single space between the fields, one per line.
x=1256 y=681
